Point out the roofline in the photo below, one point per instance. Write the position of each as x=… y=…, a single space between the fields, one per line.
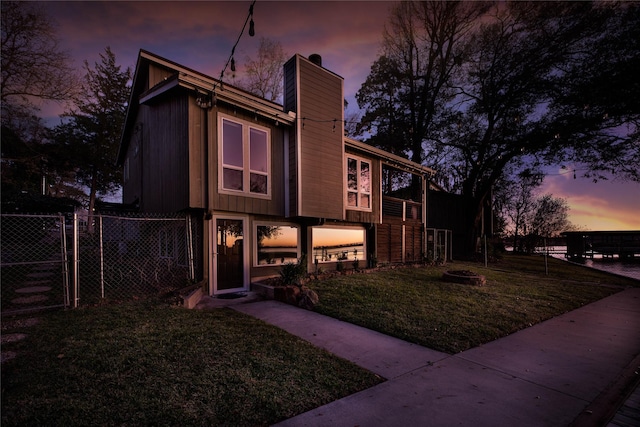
x=391 y=158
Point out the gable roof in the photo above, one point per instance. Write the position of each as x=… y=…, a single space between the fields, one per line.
x=196 y=82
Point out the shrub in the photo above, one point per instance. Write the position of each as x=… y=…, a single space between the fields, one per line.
x=292 y=273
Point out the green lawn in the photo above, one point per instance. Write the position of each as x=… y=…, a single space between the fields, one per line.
x=153 y=364
x=414 y=304
x=150 y=363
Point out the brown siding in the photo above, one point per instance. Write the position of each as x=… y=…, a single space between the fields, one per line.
x=320 y=148
x=157 y=74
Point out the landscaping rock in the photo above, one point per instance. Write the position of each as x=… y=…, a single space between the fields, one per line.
x=308 y=298
x=292 y=294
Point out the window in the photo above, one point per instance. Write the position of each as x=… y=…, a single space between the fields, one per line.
x=276 y=244
x=245 y=158
x=358 y=184
x=338 y=244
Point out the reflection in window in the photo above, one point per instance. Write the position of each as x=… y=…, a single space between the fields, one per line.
x=358 y=183
x=277 y=244
x=338 y=244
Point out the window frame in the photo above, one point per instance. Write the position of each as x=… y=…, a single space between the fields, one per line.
x=246 y=128
x=358 y=192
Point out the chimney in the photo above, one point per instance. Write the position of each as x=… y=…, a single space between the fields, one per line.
x=316 y=59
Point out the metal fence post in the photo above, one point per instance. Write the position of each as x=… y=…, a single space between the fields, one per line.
x=101 y=249
x=65 y=261
x=75 y=262
x=192 y=273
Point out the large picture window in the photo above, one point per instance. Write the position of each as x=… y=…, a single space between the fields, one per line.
x=358 y=183
x=276 y=244
x=245 y=158
x=338 y=244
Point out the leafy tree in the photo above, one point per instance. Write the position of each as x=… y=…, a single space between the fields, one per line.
x=265 y=73
x=519 y=88
x=595 y=113
x=93 y=128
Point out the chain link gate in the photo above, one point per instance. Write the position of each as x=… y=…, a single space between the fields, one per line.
x=34 y=267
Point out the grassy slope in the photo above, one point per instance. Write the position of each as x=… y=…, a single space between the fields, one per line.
x=416 y=305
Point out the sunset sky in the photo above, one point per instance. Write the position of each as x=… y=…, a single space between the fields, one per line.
x=347 y=35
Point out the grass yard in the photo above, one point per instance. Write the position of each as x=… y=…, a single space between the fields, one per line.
x=414 y=304
x=150 y=363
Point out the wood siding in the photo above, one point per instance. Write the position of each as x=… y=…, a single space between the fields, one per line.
x=158 y=74
x=319 y=149
x=165 y=155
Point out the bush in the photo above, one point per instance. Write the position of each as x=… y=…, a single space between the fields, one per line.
x=292 y=273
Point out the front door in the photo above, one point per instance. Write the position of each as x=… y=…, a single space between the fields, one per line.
x=229 y=263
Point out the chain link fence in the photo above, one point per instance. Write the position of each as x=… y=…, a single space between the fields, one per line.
x=80 y=260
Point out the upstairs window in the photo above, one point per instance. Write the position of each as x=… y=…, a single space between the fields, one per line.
x=245 y=158
x=358 y=183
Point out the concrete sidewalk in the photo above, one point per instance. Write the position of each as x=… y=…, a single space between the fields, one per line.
x=568 y=368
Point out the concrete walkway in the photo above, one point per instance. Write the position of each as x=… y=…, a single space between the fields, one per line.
x=570 y=369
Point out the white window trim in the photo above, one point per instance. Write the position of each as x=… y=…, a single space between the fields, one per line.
x=256 y=224
x=359 y=191
x=246 y=161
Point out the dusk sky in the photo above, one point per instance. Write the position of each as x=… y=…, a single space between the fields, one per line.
x=347 y=35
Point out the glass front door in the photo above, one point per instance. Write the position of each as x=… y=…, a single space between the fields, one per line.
x=229 y=260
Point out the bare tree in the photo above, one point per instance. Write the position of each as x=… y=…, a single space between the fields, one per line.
x=265 y=74
x=515 y=200
x=34 y=68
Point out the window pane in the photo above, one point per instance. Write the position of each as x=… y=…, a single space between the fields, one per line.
x=365 y=201
x=337 y=244
x=258 y=183
x=277 y=244
x=258 y=150
x=365 y=181
x=232 y=179
x=352 y=199
x=231 y=143
x=352 y=174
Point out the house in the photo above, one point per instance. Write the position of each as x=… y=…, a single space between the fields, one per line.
x=266 y=183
